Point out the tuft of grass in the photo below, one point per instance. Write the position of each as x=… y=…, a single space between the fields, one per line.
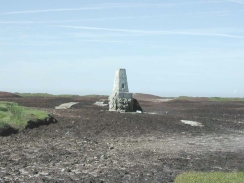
x=212 y=177
x=184 y=97
x=213 y=99
x=220 y=99
x=17 y=117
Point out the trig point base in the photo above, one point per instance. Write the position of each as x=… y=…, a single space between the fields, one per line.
x=121 y=100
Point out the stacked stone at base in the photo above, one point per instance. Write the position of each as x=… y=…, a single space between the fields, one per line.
x=121 y=100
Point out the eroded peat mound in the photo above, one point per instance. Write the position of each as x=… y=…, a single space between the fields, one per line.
x=91 y=144
x=8 y=95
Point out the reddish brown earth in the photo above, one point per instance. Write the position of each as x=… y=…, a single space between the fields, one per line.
x=91 y=144
x=8 y=95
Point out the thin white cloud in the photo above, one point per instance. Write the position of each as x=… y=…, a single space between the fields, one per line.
x=49 y=10
x=81 y=20
x=17 y=22
x=209 y=13
x=95 y=7
x=105 y=41
x=33 y=44
x=111 y=6
x=155 y=32
x=99 y=35
x=45 y=43
x=237 y=1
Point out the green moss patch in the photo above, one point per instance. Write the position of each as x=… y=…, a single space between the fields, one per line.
x=213 y=177
x=219 y=99
x=14 y=118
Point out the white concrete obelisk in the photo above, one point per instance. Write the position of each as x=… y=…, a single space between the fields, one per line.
x=120 y=81
x=120 y=99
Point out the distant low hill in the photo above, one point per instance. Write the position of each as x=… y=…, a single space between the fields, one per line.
x=8 y=95
x=142 y=96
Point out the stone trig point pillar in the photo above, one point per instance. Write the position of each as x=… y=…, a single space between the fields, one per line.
x=121 y=100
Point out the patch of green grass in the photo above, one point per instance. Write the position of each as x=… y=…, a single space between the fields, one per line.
x=220 y=99
x=184 y=97
x=213 y=177
x=213 y=99
x=17 y=117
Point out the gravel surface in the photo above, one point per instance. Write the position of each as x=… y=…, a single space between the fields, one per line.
x=91 y=144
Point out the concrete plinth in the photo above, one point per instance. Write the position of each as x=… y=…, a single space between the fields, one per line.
x=121 y=100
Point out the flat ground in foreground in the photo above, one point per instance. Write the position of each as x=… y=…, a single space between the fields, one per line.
x=90 y=144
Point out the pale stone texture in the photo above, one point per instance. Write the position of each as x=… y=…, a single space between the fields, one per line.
x=101 y=103
x=121 y=100
x=120 y=81
x=66 y=105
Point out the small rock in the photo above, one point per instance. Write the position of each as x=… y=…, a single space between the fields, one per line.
x=44 y=173
x=35 y=172
x=103 y=157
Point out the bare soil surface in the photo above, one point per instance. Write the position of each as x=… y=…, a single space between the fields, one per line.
x=91 y=144
x=7 y=95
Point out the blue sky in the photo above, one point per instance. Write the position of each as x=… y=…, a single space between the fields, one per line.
x=169 y=48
